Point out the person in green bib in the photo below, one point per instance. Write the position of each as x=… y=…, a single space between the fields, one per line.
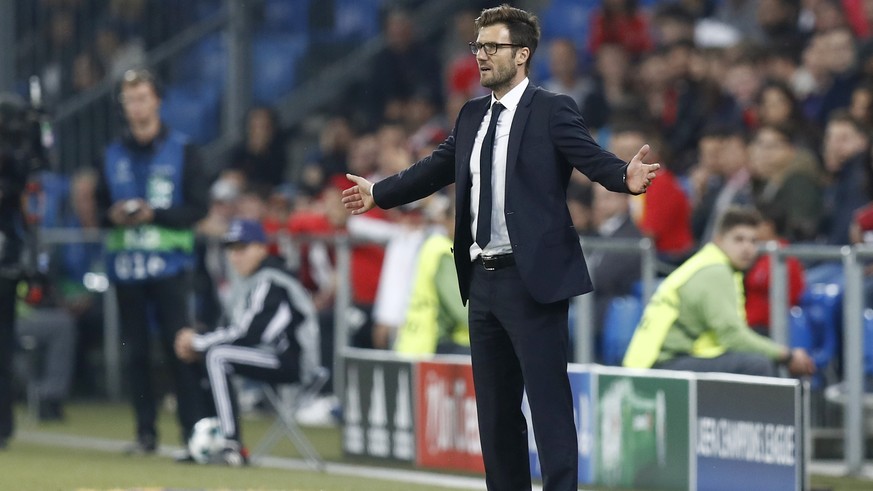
x=696 y=319
x=436 y=319
x=153 y=190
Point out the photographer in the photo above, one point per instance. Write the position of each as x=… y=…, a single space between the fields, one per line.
x=152 y=191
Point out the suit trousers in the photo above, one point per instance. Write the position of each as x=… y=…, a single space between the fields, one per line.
x=166 y=301
x=517 y=344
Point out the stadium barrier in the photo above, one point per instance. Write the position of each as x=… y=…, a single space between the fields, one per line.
x=849 y=260
x=651 y=429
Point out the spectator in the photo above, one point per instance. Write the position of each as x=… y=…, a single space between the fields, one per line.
x=814 y=77
x=75 y=267
x=318 y=272
x=663 y=213
x=840 y=55
x=695 y=321
x=152 y=187
x=436 y=318
x=846 y=158
x=404 y=66
x=861 y=232
x=705 y=179
x=612 y=91
x=861 y=105
x=270 y=335
x=462 y=78
x=621 y=22
x=732 y=183
x=87 y=71
x=781 y=184
x=778 y=20
x=757 y=278
x=777 y=105
x=743 y=82
x=673 y=23
x=116 y=52
x=424 y=123
x=613 y=273
x=398 y=273
x=211 y=273
x=783 y=65
x=741 y=15
x=331 y=157
x=61 y=50
x=260 y=159
x=564 y=76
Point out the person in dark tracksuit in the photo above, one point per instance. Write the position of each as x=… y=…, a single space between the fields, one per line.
x=271 y=333
x=153 y=190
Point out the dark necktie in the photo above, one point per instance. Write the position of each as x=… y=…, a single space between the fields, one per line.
x=483 y=226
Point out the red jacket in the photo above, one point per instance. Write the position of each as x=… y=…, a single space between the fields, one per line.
x=757 y=284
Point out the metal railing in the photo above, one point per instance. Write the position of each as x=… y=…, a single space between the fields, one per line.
x=853 y=329
x=851 y=258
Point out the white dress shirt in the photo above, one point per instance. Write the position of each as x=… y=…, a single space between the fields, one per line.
x=499 y=243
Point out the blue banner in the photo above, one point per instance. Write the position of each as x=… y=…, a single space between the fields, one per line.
x=748 y=435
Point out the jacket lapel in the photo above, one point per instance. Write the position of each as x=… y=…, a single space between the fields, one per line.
x=517 y=129
x=467 y=127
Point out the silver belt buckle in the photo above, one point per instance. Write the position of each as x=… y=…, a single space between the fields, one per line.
x=485 y=264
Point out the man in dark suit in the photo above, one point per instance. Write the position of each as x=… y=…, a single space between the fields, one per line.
x=525 y=261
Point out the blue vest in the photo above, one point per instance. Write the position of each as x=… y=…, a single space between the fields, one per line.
x=148 y=251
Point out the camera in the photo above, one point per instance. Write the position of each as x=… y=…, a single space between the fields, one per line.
x=25 y=139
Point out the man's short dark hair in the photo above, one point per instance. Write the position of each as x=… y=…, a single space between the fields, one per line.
x=524 y=27
x=737 y=216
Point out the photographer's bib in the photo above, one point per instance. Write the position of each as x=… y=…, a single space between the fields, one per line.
x=148 y=251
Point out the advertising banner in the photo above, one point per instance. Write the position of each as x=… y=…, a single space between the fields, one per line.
x=748 y=434
x=582 y=385
x=643 y=432
x=583 y=409
x=448 y=427
x=379 y=420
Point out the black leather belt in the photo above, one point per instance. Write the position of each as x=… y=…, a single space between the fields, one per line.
x=492 y=263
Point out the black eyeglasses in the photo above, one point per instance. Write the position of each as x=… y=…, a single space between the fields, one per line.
x=490 y=48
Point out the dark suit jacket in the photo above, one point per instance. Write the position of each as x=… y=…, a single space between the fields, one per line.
x=547 y=140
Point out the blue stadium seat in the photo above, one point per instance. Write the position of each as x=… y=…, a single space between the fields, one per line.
x=619 y=323
x=799 y=329
x=56 y=190
x=192 y=110
x=356 y=19
x=821 y=304
x=568 y=19
x=204 y=64
x=274 y=65
x=286 y=16
x=829 y=272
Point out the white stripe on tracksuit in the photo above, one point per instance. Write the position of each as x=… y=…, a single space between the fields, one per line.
x=218 y=366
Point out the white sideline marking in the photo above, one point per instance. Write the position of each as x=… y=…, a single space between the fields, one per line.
x=400 y=475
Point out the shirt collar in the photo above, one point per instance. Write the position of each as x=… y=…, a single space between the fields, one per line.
x=513 y=97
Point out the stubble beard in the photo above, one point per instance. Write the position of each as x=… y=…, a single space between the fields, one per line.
x=501 y=79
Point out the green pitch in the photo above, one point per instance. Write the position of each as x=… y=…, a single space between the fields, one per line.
x=28 y=465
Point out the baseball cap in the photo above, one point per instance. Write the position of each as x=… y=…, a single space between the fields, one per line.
x=244 y=232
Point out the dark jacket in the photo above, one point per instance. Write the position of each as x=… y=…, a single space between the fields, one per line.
x=547 y=140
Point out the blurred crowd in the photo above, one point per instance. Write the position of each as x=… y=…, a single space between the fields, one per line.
x=757 y=102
